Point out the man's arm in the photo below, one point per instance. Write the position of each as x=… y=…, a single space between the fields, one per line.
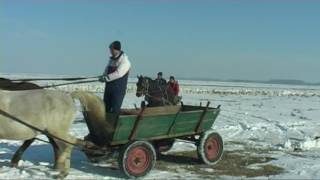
x=102 y=78
x=122 y=70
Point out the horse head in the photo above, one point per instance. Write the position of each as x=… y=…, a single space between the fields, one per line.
x=142 y=86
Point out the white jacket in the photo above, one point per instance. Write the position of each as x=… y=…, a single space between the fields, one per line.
x=122 y=67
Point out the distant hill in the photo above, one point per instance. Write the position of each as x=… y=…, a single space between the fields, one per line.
x=286 y=81
x=271 y=81
x=280 y=81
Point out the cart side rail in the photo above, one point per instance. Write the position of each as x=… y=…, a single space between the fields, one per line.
x=163 y=126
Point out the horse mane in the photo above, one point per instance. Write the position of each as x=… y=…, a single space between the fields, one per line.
x=7 y=84
x=148 y=78
x=5 y=80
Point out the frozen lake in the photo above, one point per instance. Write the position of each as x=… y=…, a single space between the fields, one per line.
x=271 y=131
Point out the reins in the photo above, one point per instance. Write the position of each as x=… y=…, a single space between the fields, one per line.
x=160 y=99
x=163 y=99
x=55 y=79
x=63 y=84
x=76 y=79
x=154 y=97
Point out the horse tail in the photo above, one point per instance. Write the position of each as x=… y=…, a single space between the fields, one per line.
x=95 y=115
x=89 y=101
x=78 y=94
x=81 y=96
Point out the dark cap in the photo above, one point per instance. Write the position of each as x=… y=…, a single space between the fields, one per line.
x=115 y=45
x=171 y=77
x=159 y=73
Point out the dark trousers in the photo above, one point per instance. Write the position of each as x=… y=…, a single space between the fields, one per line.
x=113 y=98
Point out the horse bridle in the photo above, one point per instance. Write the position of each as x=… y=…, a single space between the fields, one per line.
x=145 y=87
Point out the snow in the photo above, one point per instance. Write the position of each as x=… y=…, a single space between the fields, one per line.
x=277 y=121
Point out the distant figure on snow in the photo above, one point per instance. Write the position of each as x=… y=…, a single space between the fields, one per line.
x=174 y=85
x=160 y=79
x=116 y=78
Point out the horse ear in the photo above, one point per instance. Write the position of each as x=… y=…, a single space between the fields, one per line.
x=138 y=76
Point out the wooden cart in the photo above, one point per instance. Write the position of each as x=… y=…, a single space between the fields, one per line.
x=138 y=135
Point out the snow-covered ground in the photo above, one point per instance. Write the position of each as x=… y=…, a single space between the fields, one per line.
x=269 y=131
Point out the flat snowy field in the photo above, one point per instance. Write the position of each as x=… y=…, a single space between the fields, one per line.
x=269 y=131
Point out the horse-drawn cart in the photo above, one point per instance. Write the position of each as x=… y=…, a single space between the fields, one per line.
x=139 y=134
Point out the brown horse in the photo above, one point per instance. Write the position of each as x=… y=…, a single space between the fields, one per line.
x=156 y=94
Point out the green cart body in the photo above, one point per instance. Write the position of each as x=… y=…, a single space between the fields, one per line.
x=157 y=123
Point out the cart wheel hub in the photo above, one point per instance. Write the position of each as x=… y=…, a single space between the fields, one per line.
x=212 y=148
x=138 y=160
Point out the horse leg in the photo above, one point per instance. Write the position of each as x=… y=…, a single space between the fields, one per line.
x=62 y=163
x=18 y=154
x=55 y=150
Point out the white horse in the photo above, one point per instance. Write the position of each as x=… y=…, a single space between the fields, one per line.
x=47 y=110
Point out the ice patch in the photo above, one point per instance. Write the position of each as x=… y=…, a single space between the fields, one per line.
x=182 y=146
x=302 y=145
x=311 y=144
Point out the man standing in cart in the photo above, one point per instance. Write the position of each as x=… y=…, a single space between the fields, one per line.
x=115 y=77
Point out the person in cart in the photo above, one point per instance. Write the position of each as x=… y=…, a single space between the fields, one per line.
x=160 y=80
x=174 y=85
x=115 y=78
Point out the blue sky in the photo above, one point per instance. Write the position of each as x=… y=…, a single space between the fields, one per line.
x=254 y=40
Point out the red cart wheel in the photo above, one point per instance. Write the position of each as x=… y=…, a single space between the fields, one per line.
x=137 y=159
x=210 y=148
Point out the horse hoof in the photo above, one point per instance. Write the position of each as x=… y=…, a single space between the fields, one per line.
x=14 y=165
x=60 y=176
